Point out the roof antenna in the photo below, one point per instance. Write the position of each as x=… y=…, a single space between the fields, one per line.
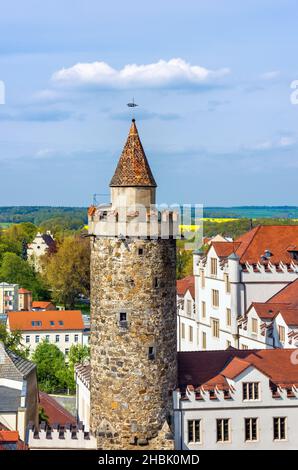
x=132 y=104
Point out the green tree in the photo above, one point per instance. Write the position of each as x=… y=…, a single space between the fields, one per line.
x=18 y=271
x=42 y=416
x=184 y=263
x=13 y=341
x=77 y=355
x=67 y=272
x=51 y=367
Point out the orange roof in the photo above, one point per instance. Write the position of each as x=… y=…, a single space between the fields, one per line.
x=133 y=168
x=46 y=320
x=41 y=304
x=185 y=284
x=24 y=291
x=224 y=249
x=9 y=436
x=289 y=294
x=280 y=240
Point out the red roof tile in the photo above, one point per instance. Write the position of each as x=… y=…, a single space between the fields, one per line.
x=61 y=319
x=54 y=411
x=250 y=247
x=24 y=291
x=42 y=304
x=199 y=367
x=289 y=295
x=133 y=168
x=185 y=284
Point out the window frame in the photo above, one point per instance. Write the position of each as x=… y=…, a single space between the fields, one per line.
x=193 y=422
x=215 y=296
x=250 y=419
x=246 y=391
x=215 y=321
x=279 y=439
x=222 y=430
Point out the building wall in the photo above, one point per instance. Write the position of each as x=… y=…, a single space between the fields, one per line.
x=62 y=344
x=245 y=288
x=237 y=410
x=8 y=297
x=186 y=320
x=130 y=397
x=83 y=403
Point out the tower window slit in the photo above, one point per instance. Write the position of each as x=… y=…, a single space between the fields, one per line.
x=151 y=353
x=123 y=320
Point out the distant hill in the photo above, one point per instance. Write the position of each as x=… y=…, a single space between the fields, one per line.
x=38 y=215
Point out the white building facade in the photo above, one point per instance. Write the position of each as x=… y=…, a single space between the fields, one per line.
x=9 y=297
x=240 y=408
x=187 y=325
x=228 y=278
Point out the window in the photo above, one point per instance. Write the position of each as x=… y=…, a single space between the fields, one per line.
x=203 y=304
x=223 y=430
x=140 y=251
x=188 y=307
x=76 y=338
x=215 y=298
x=229 y=317
x=251 y=390
x=215 y=328
x=155 y=282
x=279 y=429
x=251 y=429
x=194 y=430
x=202 y=275
x=27 y=339
x=36 y=323
x=52 y=323
x=151 y=353
x=57 y=338
x=47 y=338
x=66 y=352
x=254 y=325
x=227 y=284
x=182 y=330
x=66 y=338
x=61 y=323
x=191 y=334
x=123 y=320
x=281 y=333
x=204 y=340
x=244 y=346
x=37 y=339
x=213 y=270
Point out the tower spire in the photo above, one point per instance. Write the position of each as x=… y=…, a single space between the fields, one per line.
x=133 y=169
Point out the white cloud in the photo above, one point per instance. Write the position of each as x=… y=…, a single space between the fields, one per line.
x=270 y=75
x=281 y=142
x=173 y=73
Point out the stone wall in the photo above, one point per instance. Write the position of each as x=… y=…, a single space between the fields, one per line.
x=130 y=391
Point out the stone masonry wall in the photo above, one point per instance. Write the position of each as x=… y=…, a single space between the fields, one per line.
x=131 y=393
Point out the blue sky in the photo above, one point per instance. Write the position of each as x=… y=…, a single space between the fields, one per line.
x=212 y=79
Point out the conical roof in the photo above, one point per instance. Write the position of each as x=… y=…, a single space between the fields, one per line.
x=133 y=168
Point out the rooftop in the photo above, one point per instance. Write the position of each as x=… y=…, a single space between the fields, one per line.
x=133 y=168
x=46 y=320
x=274 y=243
x=55 y=412
x=185 y=284
x=211 y=367
x=12 y=366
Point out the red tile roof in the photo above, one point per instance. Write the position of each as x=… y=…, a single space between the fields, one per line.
x=198 y=368
x=9 y=436
x=133 y=168
x=185 y=284
x=24 y=291
x=289 y=294
x=61 y=319
x=41 y=304
x=54 y=411
x=284 y=302
x=280 y=240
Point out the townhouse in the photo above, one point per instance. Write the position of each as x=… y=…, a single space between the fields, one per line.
x=187 y=325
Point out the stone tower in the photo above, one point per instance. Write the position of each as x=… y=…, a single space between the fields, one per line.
x=133 y=310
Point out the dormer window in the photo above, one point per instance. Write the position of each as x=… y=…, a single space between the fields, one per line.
x=140 y=251
x=251 y=391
